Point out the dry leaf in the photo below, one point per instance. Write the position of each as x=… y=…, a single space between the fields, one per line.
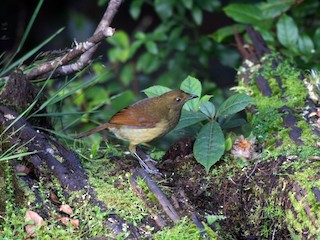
x=66 y=209
x=36 y=221
x=22 y=169
x=66 y=221
x=54 y=198
x=243 y=148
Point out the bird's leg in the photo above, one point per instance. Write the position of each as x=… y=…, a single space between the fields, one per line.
x=144 y=165
x=144 y=156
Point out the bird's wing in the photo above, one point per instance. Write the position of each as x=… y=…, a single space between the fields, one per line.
x=133 y=116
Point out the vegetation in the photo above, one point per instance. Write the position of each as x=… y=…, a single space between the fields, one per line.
x=253 y=179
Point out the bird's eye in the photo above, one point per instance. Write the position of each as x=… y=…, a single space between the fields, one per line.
x=178 y=99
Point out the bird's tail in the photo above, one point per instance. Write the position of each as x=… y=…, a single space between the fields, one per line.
x=94 y=130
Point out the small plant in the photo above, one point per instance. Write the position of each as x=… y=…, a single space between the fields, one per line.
x=210 y=143
x=282 y=25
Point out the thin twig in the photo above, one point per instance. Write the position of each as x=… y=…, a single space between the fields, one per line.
x=134 y=185
x=163 y=200
x=85 y=50
x=199 y=225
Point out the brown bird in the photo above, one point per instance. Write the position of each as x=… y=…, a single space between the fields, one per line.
x=145 y=120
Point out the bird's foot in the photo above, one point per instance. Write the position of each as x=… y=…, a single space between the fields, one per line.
x=148 y=164
x=149 y=159
x=154 y=170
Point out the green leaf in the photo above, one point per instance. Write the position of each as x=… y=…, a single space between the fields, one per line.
x=214 y=218
x=127 y=74
x=135 y=8
x=156 y=90
x=272 y=9
x=306 y=46
x=228 y=144
x=119 y=39
x=193 y=86
x=316 y=37
x=206 y=98
x=197 y=15
x=234 y=104
x=189 y=118
x=208 y=109
x=209 y=145
x=147 y=63
x=152 y=47
x=188 y=3
x=224 y=32
x=287 y=31
x=134 y=47
x=164 y=8
x=233 y=123
x=244 y=13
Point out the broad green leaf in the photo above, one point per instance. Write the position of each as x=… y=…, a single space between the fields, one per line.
x=135 y=8
x=188 y=3
x=316 y=37
x=189 y=118
x=134 y=47
x=193 y=86
x=156 y=90
x=224 y=32
x=234 y=104
x=272 y=9
x=287 y=31
x=306 y=46
x=197 y=15
x=127 y=74
x=119 y=39
x=228 y=144
x=147 y=63
x=244 y=13
x=206 y=98
x=208 y=109
x=140 y=36
x=152 y=47
x=233 y=123
x=209 y=145
x=266 y=35
x=209 y=5
x=164 y=8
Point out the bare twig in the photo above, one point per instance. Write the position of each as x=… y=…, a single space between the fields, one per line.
x=200 y=226
x=159 y=220
x=62 y=65
x=163 y=200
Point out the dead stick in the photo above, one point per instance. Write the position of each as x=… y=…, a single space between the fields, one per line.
x=159 y=220
x=163 y=200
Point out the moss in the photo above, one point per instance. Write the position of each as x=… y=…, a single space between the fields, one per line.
x=183 y=230
x=308 y=137
x=297 y=216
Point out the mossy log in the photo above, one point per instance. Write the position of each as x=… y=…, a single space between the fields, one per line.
x=267 y=186
x=280 y=197
x=50 y=164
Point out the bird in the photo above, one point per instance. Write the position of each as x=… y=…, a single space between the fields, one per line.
x=145 y=120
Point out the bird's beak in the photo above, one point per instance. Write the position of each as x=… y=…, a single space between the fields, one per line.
x=192 y=96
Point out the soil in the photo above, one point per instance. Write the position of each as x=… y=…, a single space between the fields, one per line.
x=239 y=197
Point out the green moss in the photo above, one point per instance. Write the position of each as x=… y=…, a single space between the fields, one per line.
x=297 y=216
x=183 y=230
x=308 y=137
x=124 y=201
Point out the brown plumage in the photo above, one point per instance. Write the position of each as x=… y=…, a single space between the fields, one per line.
x=146 y=120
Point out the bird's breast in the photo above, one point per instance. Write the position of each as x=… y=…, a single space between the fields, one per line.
x=136 y=135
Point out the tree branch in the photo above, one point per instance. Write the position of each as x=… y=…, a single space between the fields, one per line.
x=85 y=50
